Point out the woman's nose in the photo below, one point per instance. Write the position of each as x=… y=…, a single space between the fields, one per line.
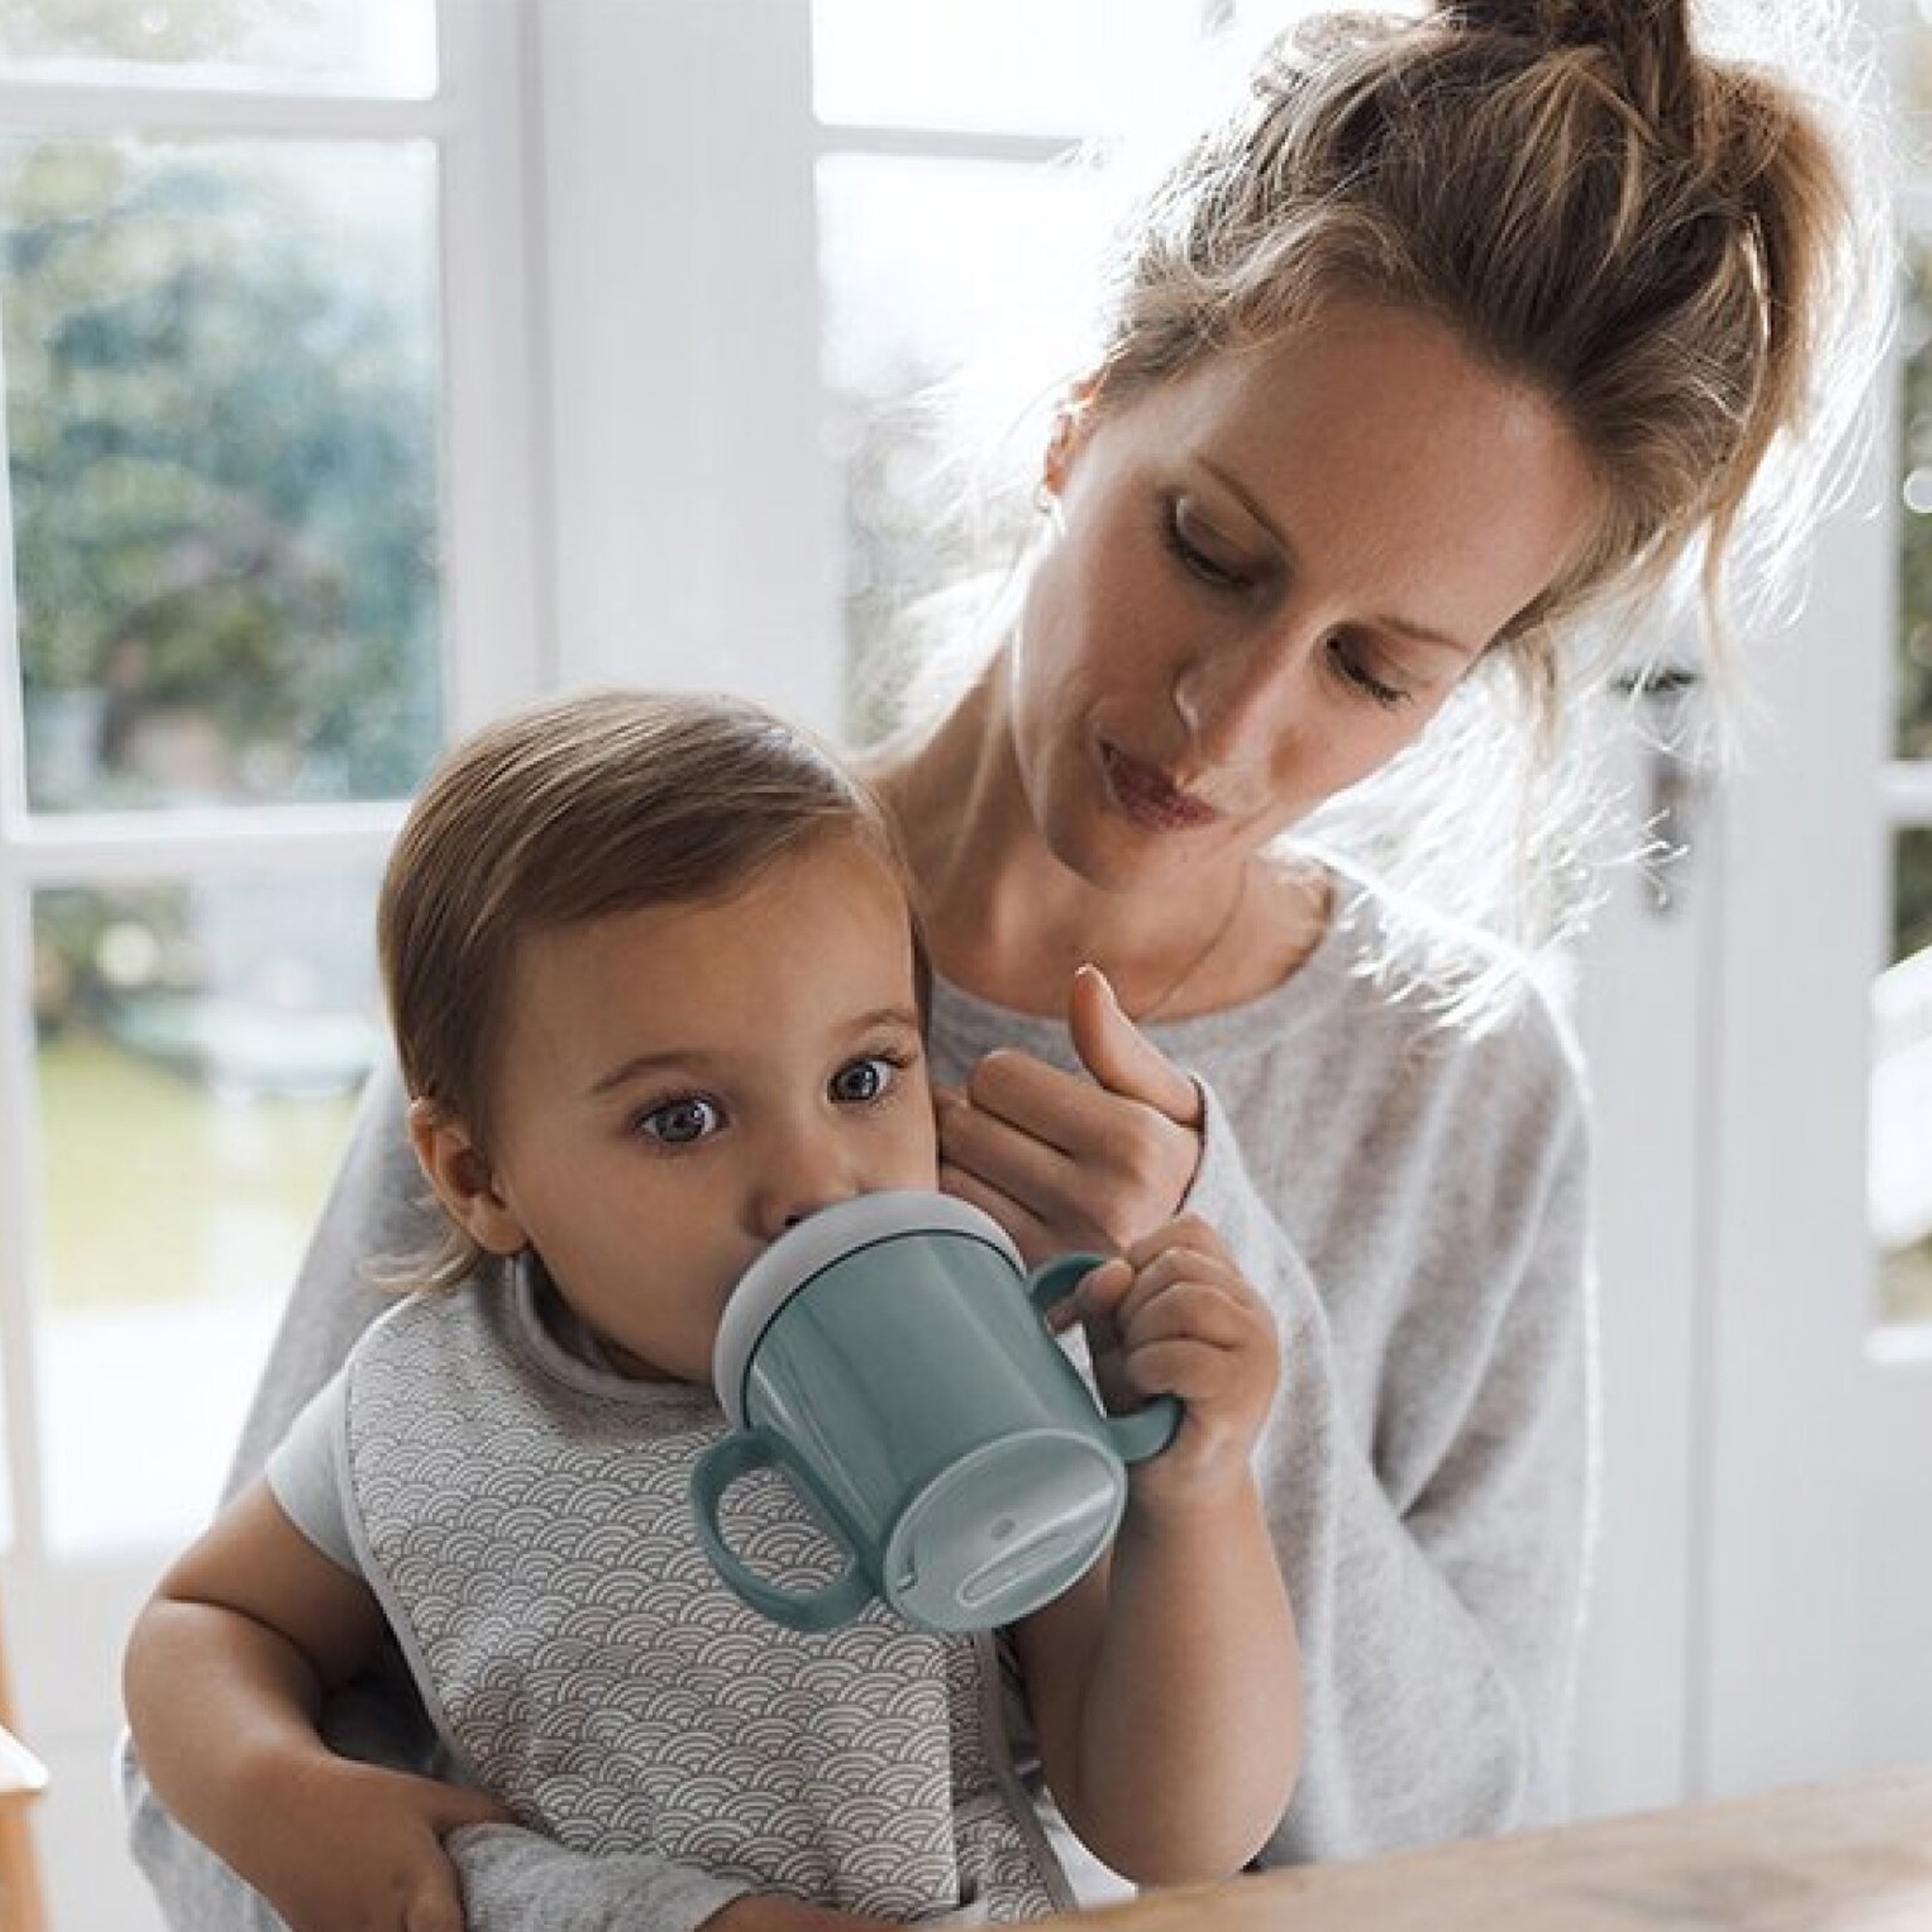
x=1236 y=699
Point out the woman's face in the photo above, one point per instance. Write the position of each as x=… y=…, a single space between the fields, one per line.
x=1269 y=575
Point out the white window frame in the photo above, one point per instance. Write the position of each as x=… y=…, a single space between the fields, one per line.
x=67 y=1615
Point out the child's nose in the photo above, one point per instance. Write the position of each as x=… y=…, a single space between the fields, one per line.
x=805 y=1174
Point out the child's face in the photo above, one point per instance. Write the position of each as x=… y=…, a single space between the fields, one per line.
x=681 y=1083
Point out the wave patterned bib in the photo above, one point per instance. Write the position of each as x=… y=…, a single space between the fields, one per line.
x=526 y=1521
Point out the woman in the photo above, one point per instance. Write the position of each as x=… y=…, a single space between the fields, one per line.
x=1458 y=338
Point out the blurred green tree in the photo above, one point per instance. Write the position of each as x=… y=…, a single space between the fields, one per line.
x=144 y=30
x=222 y=444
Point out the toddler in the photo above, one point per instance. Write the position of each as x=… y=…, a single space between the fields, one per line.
x=656 y=988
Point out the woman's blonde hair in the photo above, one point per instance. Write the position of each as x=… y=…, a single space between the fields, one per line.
x=576 y=809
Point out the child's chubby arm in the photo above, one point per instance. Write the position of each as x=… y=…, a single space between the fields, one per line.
x=225 y=1672
x=1165 y=1687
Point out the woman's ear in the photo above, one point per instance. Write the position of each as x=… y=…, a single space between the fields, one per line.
x=455 y=1167
x=1071 y=422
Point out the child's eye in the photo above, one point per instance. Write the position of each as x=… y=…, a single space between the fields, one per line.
x=861 y=1080
x=680 y=1122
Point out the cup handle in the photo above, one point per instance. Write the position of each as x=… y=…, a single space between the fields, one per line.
x=1143 y=1431
x=718 y=1468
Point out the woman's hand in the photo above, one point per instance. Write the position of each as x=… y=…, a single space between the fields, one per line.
x=1061 y=1161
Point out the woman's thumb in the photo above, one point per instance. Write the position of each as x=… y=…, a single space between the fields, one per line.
x=1120 y=1056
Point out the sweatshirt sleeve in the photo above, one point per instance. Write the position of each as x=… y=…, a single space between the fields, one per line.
x=378 y=1210
x=513 y=1880
x=1439 y=1611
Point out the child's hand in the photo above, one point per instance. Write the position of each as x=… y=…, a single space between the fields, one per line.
x=1175 y=1316
x=361 y=1851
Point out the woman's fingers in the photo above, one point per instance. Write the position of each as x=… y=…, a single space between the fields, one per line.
x=1030 y=1234
x=1065 y=1111
x=1035 y=1193
x=1095 y=1169
x=1121 y=1058
x=1000 y=1145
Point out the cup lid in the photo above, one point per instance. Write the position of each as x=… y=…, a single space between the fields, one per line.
x=802 y=1253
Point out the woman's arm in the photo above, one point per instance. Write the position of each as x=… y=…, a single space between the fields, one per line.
x=1440 y=1596
x=1164 y=1689
x=1429 y=1502
x=378 y=1209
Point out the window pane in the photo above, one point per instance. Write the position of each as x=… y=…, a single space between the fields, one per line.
x=993 y=66
x=930 y=269
x=365 y=46
x=1901 y=1126
x=222 y=423
x=1915 y=83
x=198 y=1050
x=1914 y=733
x=1912 y=894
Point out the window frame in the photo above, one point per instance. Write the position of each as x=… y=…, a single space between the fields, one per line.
x=496 y=649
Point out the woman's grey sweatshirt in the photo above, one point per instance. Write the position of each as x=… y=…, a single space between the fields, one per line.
x=1412 y=1200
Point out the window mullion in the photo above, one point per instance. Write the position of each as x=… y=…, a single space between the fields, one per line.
x=494 y=465
x=694 y=512
x=112 y=109
x=20 y=1236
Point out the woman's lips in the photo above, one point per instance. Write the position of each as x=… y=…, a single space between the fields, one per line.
x=1150 y=797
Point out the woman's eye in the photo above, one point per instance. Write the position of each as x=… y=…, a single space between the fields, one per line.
x=1197 y=559
x=679 y=1122
x=1350 y=661
x=862 y=1080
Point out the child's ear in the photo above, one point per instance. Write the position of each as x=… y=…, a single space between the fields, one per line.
x=455 y=1167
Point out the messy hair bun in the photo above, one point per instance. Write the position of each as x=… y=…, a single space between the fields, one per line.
x=1648 y=39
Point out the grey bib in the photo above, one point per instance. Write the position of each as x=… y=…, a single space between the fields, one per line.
x=526 y=1522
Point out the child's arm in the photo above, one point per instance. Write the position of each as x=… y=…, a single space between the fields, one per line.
x=224 y=1675
x=1165 y=1687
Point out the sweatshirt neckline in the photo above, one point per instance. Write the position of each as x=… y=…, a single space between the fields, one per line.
x=1290 y=1003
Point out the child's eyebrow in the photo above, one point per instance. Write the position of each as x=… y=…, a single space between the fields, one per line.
x=879 y=1016
x=641 y=1066
x=689 y=1060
